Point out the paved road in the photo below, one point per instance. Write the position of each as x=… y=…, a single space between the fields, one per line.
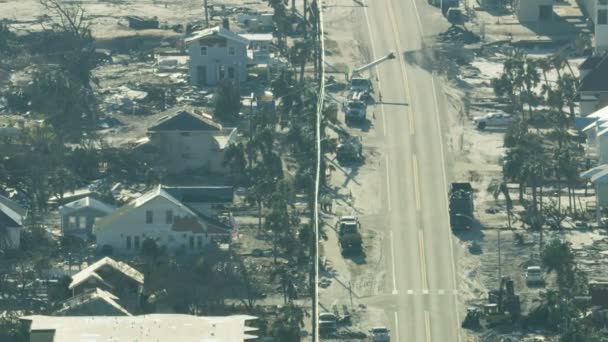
x=423 y=279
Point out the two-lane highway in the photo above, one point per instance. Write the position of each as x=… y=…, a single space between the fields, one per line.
x=423 y=272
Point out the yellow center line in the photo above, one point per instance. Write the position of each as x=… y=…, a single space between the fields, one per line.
x=422 y=259
x=402 y=66
x=416 y=181
x=427 y=326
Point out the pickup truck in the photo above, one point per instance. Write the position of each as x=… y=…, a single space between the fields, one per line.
x=493 y=120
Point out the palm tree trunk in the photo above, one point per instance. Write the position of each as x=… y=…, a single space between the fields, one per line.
x=260 y=215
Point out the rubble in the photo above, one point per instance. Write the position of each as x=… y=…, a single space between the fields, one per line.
x=458 y=34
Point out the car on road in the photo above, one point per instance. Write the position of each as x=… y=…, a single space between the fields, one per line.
x=497 y=119
x=328 y=322
x=379 y=334
x=534 y=275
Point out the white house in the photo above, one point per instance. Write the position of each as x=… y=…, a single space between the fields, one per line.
x=11 y=223
x=594 y=133
x=187 y=141
x=598 y=14
x=159 y=216
x=215 y=54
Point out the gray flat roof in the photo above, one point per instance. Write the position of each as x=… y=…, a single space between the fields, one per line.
x=155 y=327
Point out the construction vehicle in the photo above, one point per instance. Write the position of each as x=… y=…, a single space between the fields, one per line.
x=362 y=84
x=503 y=307
x=349 y=236
x=461 y=206
x=503 y=301
x=355 y=111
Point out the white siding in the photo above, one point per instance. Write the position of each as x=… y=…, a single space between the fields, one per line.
x=133 y=224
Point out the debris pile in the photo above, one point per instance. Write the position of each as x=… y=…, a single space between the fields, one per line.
x=458 y=34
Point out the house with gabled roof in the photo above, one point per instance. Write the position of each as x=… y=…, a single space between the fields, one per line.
x=11 y=223
x=215 y=54
x=78 y=217
x=92 y=302
x=593 y=87
x=188 y=141
x=159 y=216
x=113 y=276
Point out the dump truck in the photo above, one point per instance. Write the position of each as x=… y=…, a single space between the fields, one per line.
x=461 y=206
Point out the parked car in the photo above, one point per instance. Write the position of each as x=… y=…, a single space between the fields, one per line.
x=328 y=322
x=534 y=275
x=493 y=120
x=379 y=334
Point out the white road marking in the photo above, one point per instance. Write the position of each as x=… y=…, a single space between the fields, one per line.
x=393 y=264
x=371 y=38
x=440 y=292
x=425 y=292
x=410 y=292
x=416 y=181
x=388 y=185
x=396 y=326
x=427 y=326
x=422 y=258
x=445 y=186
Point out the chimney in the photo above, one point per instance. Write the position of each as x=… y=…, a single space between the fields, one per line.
x=226 y=24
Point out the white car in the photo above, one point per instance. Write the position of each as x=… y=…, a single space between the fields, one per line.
x=534 y=275
x=493 y=119
x=379 y=334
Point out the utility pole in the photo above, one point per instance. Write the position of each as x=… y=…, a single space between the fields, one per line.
x=206 y=13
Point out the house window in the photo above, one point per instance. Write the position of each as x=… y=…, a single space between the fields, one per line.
x=603 y=2
x=185 y=134
x=602 y=17
x=72 y=222
x=231 y=51
x=128 y=242
x=149 y=217
x=185 y=156
x=136 y=242
x=203 y=51
x=169 y=217
x=191 y=242
x=230 y=72
x=199 y=242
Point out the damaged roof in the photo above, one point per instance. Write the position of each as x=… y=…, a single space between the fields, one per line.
x=10 y=215
x=217 y=31
x=193 y=221
x=119 y=266
x=87 y=202
x=89 y=297
x=596 y=79
x=201 y=194
x=186 y=121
